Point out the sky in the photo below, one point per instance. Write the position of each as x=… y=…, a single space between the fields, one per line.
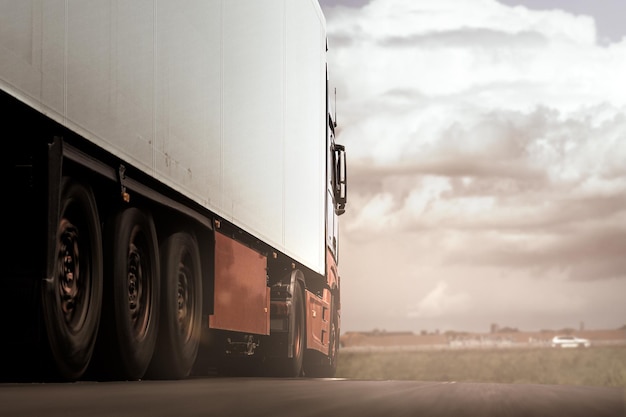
x=486 y=145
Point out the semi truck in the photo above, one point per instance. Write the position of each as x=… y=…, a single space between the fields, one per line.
x=172 y=187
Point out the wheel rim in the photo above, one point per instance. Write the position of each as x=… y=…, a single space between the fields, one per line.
x=70 y=283
x=183 y=301
x=297 y=347
x=138 y=284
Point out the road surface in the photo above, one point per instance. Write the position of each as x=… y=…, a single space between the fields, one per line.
x=305 y=397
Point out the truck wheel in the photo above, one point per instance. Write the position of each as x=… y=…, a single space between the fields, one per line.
x=132 y=295
x=292 y=367
x=181 y=304
x=72 y=296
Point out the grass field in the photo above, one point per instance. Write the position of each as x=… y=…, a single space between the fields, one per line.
x=596 y=366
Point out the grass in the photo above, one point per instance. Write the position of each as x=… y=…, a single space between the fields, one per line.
x=596 y=366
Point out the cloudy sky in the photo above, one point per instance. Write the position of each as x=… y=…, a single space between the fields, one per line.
x=487 y=162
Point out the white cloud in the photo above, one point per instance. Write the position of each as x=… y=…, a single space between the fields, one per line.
x=440 y=302
x=449 y=47
x=374 y=214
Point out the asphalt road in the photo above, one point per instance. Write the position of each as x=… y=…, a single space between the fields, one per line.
x=305 y=397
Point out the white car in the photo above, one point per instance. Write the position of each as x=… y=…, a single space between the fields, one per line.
x=570 y=342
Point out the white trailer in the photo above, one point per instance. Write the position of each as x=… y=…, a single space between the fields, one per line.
x=174 y=186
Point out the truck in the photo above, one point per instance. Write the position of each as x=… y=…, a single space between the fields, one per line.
x=172 y=189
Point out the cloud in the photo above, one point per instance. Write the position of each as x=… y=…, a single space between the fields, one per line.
x=451 y=47
x=440 y=302
x=403 y=18
x=467 y=38
x=486 y=148
x=482 y=122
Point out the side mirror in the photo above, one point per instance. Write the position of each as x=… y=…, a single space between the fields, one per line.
x=341 y=179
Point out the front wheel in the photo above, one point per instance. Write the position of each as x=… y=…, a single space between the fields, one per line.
x=72 y=296
x=293 y=366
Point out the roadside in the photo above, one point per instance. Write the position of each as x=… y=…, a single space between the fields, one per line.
x=407 y=341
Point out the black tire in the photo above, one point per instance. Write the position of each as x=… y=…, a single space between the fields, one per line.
x=293 y=367
x=132 y=296
x=72 y=296
x=284 y=366
x=181 y=309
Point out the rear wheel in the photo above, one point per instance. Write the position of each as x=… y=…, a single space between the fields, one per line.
x=181 y=303
x=72 y=296
x=132 y=295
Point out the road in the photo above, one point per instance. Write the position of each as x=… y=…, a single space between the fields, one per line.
x=305 y=397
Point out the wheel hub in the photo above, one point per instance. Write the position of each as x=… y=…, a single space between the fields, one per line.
x=68 y=279
x=182 y=302
x=134 y=283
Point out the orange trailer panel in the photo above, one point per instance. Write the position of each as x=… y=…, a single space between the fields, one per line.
x=242 y=297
